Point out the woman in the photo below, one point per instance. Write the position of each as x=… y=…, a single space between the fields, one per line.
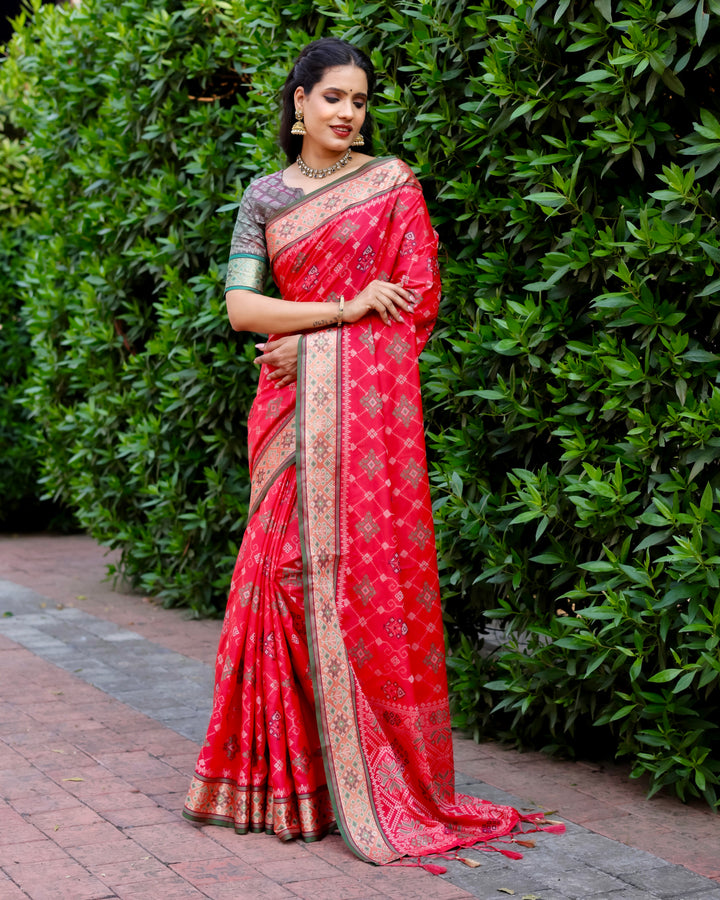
x=331 y=702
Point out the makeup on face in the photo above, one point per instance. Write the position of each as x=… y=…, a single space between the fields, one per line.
x=333 y=111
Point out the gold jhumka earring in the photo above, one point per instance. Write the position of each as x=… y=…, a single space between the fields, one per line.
x=299 y=127
x=359 y=141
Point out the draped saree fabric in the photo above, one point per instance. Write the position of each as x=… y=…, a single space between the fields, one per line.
x=331 y=701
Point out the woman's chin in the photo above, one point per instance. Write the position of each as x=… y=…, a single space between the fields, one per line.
x=336 y=144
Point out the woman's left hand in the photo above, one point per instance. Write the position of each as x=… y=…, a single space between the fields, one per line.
x=280 y=356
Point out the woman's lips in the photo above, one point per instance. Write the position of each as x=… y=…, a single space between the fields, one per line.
x=340 y=131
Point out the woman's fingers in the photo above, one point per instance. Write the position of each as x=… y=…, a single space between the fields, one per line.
x=389 y=300
x=280 y=359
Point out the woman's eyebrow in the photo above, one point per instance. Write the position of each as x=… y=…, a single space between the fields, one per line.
x=341 y=91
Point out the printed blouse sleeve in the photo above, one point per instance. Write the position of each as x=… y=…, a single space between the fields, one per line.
x=248 y=264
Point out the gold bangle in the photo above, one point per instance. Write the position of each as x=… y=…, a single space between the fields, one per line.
x=341 y=311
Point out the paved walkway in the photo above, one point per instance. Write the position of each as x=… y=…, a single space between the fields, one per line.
x=104 y=698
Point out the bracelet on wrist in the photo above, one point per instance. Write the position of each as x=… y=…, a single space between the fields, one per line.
x=341 y=310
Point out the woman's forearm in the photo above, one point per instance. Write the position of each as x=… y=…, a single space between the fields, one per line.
x=249 y=311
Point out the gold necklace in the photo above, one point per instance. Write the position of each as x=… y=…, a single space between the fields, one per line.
x=322 y=173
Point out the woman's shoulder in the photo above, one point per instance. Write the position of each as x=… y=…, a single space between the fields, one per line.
x=398 y=169
x=268 y=193
x=265 y=184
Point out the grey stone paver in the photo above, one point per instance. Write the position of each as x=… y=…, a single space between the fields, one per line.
x=668 y=882
x=177 y=692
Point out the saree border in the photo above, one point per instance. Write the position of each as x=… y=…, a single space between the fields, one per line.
x=319 y=420
x=252 y=809
x=315 y=192
x=271 y=460
x=308 y=213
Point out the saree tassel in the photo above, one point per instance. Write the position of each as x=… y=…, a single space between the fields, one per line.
x=534 y=818
x=511 y=854
x=433 y=869
x=493 y=848
x=541 y=823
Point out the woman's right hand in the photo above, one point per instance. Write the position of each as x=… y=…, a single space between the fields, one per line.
x=383 y=297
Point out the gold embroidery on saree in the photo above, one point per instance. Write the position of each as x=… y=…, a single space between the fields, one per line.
x=221 y=801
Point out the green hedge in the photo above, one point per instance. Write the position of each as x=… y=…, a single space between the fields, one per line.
x=139 y=385
x=19 y=453
x=581 y=446
x=568 y=153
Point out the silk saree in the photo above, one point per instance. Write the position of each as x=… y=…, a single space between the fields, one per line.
x=331 y=702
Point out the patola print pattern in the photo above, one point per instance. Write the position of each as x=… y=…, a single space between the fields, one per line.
x=335 y=651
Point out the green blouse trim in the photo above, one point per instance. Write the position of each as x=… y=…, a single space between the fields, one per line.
x=246 y=272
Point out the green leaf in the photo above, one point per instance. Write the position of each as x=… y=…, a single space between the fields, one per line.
x=547 y=198
x=596 y=75
x=671 y=81
x=702 y=21
x=665 y=676
x=605 y=9
x=712 y=288
x=684 y=682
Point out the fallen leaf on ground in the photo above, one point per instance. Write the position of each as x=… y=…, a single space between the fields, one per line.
x=506 y=890
x=74 y=778
x=473 y=863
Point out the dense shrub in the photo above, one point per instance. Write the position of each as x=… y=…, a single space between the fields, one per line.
x=568 y=152
x=19 y=455
x=581 y=445
x=139 y=385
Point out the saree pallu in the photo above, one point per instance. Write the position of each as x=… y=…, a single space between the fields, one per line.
x=331 y=702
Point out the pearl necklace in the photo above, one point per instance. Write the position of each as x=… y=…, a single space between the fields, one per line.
x=322 y=173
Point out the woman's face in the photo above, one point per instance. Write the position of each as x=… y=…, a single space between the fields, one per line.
x=334 y=110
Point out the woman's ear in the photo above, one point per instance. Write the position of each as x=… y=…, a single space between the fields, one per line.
x=299 y=97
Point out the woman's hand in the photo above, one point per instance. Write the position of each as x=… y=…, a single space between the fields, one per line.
x=383 y=297
x=280 y=356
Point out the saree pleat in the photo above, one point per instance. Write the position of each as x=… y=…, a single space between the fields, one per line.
x=261 y=768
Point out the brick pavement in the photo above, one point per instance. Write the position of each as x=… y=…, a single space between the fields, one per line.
x=104 y=698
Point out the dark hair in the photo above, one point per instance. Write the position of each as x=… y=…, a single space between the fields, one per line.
x=309 y=68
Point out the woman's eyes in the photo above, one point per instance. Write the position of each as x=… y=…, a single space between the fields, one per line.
x=358 y=104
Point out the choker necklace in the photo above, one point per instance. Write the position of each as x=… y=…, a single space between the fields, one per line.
x=322 y=173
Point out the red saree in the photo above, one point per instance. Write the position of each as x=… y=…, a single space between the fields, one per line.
x=331 y=701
